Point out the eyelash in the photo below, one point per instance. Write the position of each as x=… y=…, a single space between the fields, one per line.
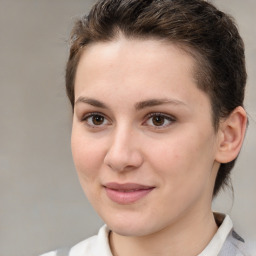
x=168 y=118
x=91 y=115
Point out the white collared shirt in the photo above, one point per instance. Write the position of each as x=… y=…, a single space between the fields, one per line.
x=218 y=240
x=98 y=245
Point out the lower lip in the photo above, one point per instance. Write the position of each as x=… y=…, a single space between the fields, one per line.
x=121 y=197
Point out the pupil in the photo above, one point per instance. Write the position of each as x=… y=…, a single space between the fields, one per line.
x=97 y=120
x=158 y=120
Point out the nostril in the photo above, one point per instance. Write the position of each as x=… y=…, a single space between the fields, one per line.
x=123 y=152
x=123 y=161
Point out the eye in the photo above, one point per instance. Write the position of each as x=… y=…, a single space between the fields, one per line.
x=95 y=120
x=159 y=120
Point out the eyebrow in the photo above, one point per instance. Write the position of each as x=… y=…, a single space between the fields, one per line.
x=90 y=101
x=157 y=102
x=138 y=106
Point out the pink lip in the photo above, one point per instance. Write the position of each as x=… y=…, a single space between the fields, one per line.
x=126 y=193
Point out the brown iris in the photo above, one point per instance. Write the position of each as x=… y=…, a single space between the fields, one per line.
x=98 y=120
x=158 y=120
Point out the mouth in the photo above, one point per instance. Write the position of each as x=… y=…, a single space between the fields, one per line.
x=127 y=193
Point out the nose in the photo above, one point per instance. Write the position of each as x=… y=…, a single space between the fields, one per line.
x=123 y=153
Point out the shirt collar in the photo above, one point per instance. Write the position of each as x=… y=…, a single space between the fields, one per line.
x=213 y=248
x=217 y=242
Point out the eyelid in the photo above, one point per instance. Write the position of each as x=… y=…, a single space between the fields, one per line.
x=91 y=114
x=168 y=117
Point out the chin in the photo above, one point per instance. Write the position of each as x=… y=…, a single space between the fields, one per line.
x=129 y=230
x=133 y=226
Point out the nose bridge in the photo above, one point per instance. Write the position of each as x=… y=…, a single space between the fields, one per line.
x=123 y=152
x=123 y=137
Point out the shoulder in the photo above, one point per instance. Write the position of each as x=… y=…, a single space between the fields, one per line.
x=93 y=246
x=226 y=241
x=251 y=248
x=236 y=245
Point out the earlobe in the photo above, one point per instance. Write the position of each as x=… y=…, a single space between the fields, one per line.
x=231 y=135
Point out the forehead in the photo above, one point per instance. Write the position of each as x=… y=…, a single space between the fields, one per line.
x=127 y=55
x=137 y=49
x=136 y=67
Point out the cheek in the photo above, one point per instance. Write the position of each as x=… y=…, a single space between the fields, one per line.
x=183 y=167
x=86 y=155
x=184 y=159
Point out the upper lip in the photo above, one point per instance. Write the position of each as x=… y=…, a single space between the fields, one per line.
x=126 y=186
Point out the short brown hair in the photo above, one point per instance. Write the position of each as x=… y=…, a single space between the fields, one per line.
x=196 y=26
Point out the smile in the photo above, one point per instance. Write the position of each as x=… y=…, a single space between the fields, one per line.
x=126 y=193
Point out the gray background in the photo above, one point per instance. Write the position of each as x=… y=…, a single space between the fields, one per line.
x=42 y=206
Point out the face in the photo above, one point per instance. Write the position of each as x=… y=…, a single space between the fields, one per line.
x=143 y=141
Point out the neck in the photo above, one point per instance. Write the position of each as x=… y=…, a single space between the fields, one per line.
x=188 y=236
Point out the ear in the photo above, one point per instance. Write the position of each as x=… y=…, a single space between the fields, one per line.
x=231 y=135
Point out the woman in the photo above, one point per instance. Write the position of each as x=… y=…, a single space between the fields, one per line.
x=157 y=91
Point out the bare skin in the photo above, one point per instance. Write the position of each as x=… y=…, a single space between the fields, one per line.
x=140 y=119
